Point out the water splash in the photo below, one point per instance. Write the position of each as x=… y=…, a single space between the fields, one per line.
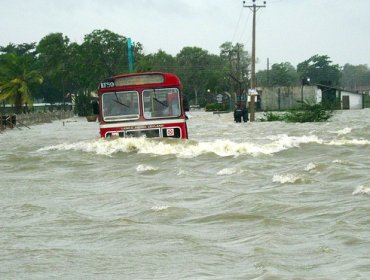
x=227 y=171
x=270 y=145
x=344 y=142
x=159 y=208
x=144 y=168
x=361 y=190
x=286 y=178
x=343 y=131
x=310 y=166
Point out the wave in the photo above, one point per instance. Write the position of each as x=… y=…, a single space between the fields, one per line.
x=343 y=131
x=143 y=168
x=159 y=208
x=286 y=178
x=344 y=142
x=361 y=190
x=310 y=166
x=189 y=149
x=227 y=171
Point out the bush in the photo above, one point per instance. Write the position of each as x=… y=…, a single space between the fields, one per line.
x=215 y=107
x=83 y=105
x=305 y=113
x=367 y=101
x=271 y=117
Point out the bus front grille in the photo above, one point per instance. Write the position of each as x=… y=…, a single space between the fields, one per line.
x=174 y=132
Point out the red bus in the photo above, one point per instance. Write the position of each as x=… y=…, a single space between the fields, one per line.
x=142 y=105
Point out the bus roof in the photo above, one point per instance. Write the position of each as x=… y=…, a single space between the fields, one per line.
x=150 y=79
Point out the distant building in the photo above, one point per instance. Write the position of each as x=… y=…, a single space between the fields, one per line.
x=285 y=98
x=348 y=99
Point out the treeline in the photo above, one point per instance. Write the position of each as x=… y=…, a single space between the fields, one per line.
x=55 y=68
x=318 y=70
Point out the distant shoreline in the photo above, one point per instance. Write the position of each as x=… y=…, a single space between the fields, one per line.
x=11 y=121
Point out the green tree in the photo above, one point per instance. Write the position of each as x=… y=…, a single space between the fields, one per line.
x=354 y=76
x=283 y=74
x=160 y=61
x=193 y=66
x=19 y=49
x=102 y=54
x=263 y=78
x=237 y=63
x=217 y=74
x=198 y=70
x=320 y=70
x=53 y=62
x=17 y=78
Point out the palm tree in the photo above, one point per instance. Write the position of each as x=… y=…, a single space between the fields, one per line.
x=16 y=79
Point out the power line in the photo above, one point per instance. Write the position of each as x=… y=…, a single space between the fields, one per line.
x=237 y=25
x=245 y=27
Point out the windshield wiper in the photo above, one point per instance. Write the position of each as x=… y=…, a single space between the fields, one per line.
x=157 y=100
x=160 y=102
x=118 y=101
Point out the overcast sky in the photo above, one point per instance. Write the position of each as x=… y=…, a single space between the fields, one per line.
x=287 y=30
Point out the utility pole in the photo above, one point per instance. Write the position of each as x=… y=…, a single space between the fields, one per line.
x=254 y=8
x=268 y=72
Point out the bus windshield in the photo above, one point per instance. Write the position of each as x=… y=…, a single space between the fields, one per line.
x=120 y=105
x=161 y=103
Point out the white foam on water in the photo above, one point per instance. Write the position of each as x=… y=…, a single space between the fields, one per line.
x=310 y=166
x=100 y=146
x=182 y=172
x=343 y=131
x=144 y=167
x=341 y=162
x=227 y=171
x=287 y=141
x=191 y=149
x=159 y=208
x=361 y=190
x=344 y=142
x=286 y=178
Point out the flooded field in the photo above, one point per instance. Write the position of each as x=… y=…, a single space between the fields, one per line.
x=235 y=201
